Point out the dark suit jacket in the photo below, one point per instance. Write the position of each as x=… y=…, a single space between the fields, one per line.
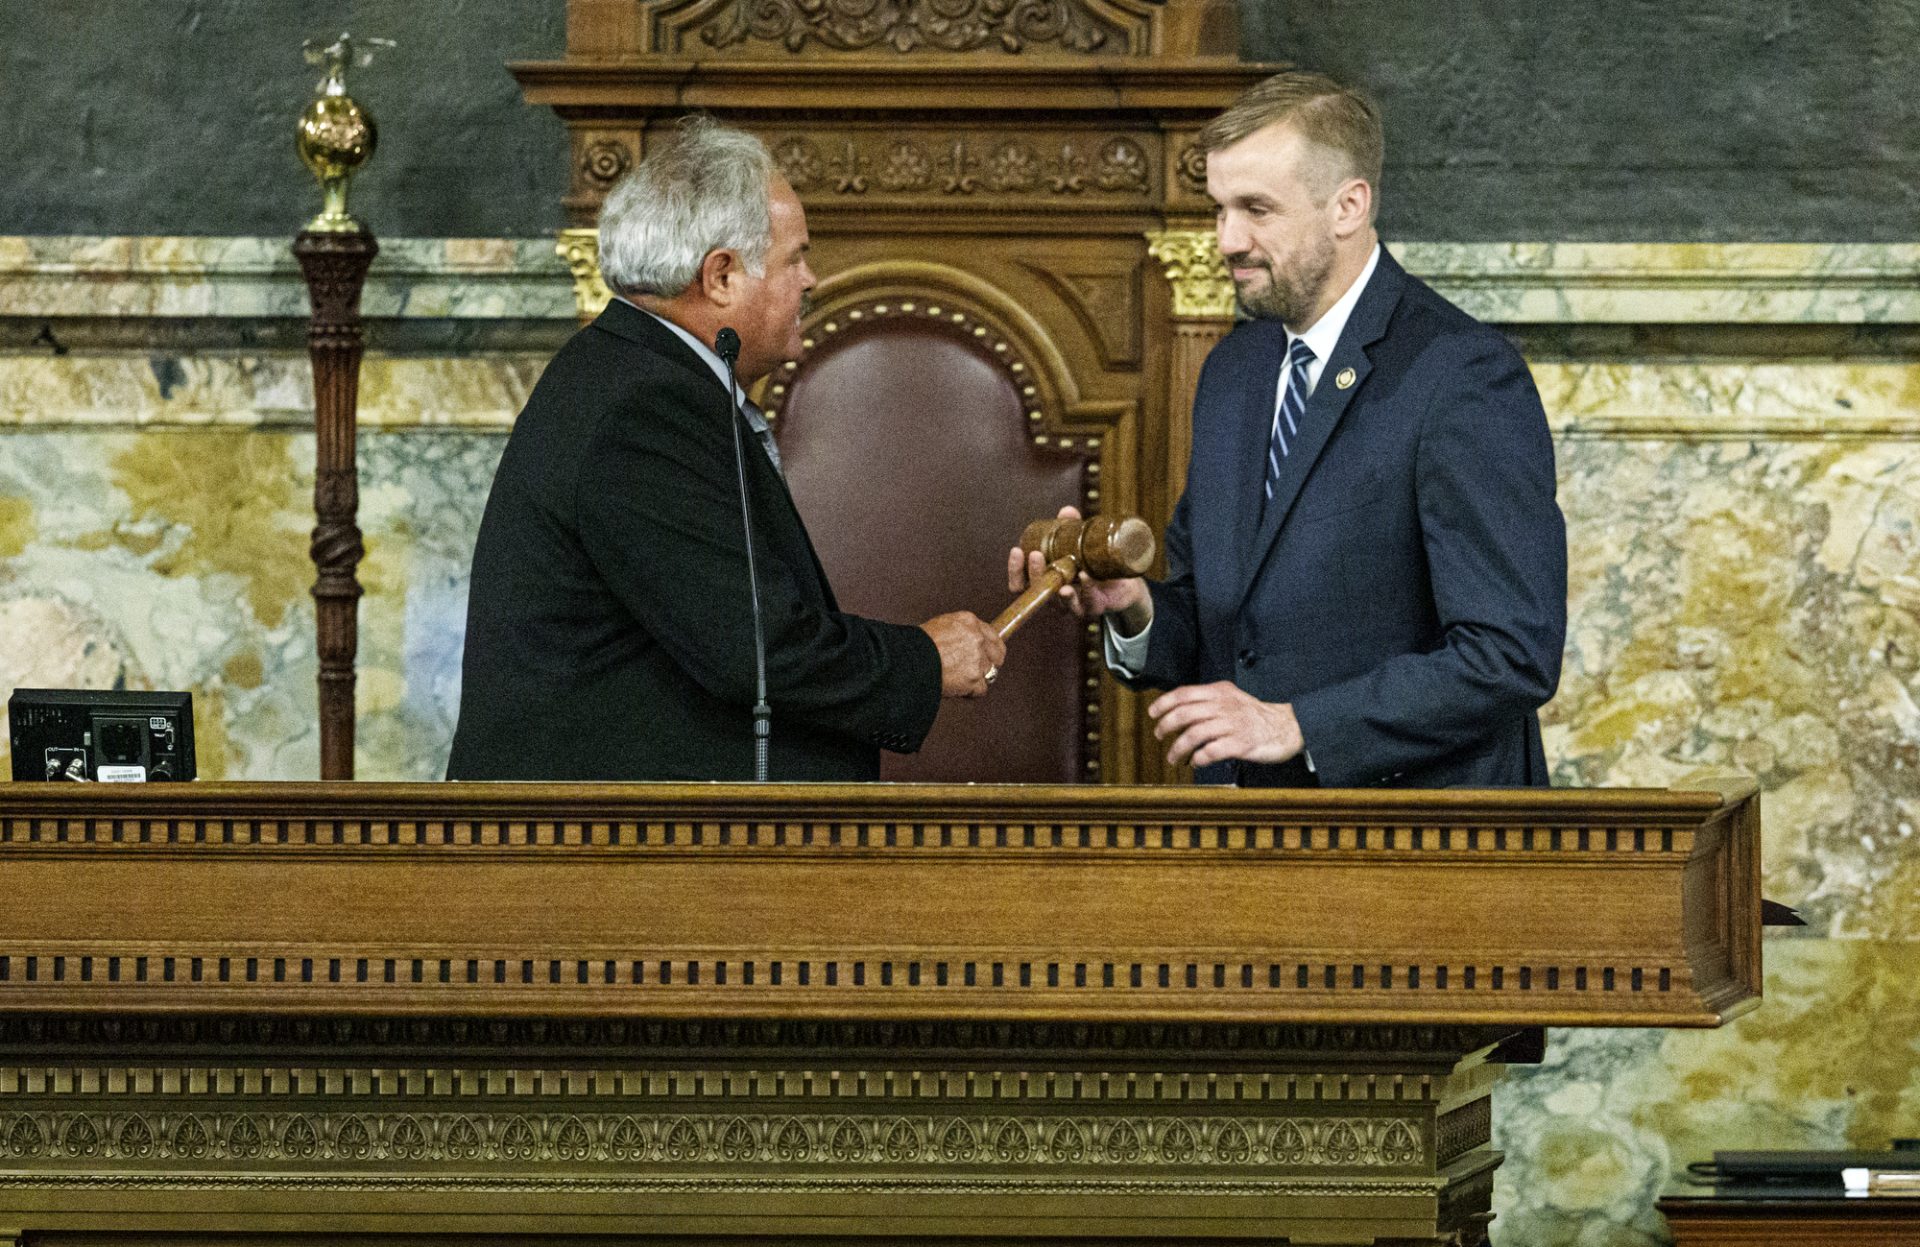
x=1406 y=587
x=609 y=632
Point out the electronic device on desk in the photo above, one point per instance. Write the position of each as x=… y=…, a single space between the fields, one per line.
x=1807 y=1172
x=89 y=736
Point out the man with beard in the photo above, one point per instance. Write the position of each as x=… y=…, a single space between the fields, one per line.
x=610 y=633
x=1367 y=571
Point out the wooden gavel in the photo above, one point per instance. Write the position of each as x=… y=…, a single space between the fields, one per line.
x=1103 y=547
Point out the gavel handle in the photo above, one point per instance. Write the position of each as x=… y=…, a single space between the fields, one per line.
x=1058 y=574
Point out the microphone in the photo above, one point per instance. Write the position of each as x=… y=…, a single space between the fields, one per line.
x=726 y=344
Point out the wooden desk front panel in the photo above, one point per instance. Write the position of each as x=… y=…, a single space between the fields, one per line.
x=1535 y=908
x=1793 y=1223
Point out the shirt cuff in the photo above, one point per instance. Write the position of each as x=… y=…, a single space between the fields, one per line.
x=1125 y=655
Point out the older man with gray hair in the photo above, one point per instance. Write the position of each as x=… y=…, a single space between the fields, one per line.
x=609 y=624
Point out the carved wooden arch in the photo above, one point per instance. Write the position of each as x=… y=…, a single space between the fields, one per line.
x=901 y=519
x=1063 y=408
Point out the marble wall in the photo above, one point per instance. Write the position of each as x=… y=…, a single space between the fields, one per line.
x=1739 y=439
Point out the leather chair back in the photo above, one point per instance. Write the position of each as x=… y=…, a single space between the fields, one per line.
x=907 y=445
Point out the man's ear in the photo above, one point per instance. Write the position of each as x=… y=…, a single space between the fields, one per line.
x=720 y=273
x=1352 y=207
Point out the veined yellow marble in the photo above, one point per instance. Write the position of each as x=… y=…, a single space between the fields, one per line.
x=1523 y=283
x=1664 y=400
x=1744 y=594
x=16 y=525
x=227 y=502
x=404 y=392
x=1715 y=621
x=460 y=278
x=1771 y=399
x=119 y=390
x=1832 y=1060
x=1673 y=283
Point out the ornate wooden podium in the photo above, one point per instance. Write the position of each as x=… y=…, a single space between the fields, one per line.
x=819 y=1014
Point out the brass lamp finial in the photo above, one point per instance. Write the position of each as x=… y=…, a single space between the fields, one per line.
x=336 y=136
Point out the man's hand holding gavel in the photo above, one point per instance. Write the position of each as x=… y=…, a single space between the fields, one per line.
x=1205 y=723
x=970 y=653
x=1088 y=598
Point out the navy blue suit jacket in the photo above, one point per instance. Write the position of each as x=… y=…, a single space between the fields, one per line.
x=1405 y=589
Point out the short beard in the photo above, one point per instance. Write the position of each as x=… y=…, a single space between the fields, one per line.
x=1288 y=297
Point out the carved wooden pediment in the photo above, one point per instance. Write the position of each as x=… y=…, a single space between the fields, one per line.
x=781 y=29
x=1070 y=26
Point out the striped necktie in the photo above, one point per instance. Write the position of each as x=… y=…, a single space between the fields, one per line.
x=1293 y=409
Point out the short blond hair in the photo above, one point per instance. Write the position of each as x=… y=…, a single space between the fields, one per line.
x=1327 y=113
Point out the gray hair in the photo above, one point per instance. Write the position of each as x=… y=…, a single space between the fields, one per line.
x=705 y=189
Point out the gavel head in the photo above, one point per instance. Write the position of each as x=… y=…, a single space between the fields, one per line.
x=1103 y=547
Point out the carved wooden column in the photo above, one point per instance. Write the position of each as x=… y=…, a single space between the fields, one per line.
x=335 y=265
x=1203 y=312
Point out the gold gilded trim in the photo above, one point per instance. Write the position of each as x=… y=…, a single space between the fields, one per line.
x=580 y=248
x=1190 y=259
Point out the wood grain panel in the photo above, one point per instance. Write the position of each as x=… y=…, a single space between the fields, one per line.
x=1530 y=908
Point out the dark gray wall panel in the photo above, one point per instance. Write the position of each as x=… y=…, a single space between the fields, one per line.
x=176 y=116
x=1628 y=119
x=1507 y=119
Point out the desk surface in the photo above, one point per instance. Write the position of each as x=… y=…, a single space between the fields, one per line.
x=1790 y=1217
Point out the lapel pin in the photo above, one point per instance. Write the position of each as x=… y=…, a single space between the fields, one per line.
x=1345 y=379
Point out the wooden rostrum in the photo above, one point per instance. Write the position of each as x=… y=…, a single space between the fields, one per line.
x=820 y=1013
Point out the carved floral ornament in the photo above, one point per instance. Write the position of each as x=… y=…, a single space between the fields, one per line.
x=580 y=248
x=603 y=161
x=963 y=165
x=741 y=1139
x=905 y=25
x=1189 y=258
x=1193 y=168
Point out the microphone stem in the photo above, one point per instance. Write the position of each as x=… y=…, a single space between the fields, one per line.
x=762 y=711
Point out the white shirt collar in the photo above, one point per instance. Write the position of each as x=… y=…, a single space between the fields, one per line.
x=1325 y=333
x=706 y=353
x=756 y=419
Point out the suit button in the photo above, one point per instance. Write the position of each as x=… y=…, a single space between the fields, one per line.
x=1249 y=659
